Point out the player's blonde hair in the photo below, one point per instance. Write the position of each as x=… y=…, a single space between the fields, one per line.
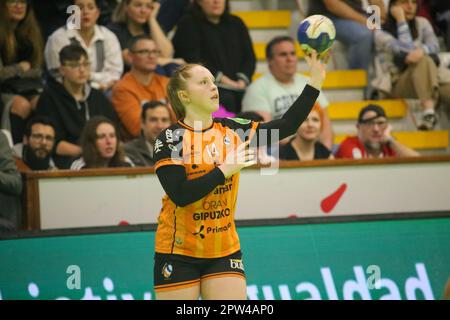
x=178 y=82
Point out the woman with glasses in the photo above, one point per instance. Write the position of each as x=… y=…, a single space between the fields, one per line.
x=133 y=18
x=99 y=42
x=21 y=61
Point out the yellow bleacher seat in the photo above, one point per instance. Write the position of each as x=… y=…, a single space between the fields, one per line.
x=270 y=19
x=340 y=79
x=350 y=110
x=415 y=139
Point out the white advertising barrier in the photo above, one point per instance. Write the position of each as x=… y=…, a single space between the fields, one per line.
x=309 y=189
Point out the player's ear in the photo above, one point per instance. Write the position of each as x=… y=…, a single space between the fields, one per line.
x=184 y=97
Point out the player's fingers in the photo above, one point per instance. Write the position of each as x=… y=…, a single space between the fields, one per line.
x=324 y=57
x=243 y=146
x=313 y=55
x=308 y=60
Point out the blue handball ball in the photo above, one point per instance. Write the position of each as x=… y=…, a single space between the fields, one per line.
x=316 y=32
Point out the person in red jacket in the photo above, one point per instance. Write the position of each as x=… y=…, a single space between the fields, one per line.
x=374 y=138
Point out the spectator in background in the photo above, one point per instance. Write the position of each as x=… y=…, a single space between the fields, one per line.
x=350 y=21
x=10 y=187
x=134 y=18
x=170 y=13
x=100 y=43
x=52 y=14
x=140 y=85
x=306 y=145
x=21 y=62
x=221 y=41
x=72 y=103
x=155 y=117
x=374 y=138
x=438 y=12
x=101 y=146
x=273 y=94
x=38 y=143
x=407 y=53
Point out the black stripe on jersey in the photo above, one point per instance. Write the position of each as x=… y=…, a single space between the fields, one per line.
x=174 y=228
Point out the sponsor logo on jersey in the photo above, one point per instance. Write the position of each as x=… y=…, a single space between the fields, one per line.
x=218 y=229
x=212 y=215
x=200 y=232
x=237 y=264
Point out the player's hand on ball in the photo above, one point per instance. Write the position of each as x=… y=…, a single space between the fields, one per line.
x=317 y=67
x=241 y=157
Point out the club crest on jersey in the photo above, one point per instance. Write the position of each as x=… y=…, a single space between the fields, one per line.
x=226 y=140
x=167 y=270
x=172 y=147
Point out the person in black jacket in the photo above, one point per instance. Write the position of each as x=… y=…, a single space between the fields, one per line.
x=72 y=103
x=211 y=35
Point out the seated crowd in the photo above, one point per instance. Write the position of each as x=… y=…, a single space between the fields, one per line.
x=119 y=70
x=95 y=96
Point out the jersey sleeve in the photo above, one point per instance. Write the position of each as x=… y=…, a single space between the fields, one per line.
x=168 y=148
x=245 y=128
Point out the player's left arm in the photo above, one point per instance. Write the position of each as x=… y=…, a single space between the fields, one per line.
x=301 y=108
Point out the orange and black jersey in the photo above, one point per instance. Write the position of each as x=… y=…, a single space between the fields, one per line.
x=197 y=215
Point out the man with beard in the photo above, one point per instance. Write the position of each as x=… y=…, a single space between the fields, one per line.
x=374 y=138
x=38 y=144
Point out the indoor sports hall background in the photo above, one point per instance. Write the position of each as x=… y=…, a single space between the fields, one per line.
x=337 y=229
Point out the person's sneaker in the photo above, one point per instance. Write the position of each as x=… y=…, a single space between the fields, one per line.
x=428 y=122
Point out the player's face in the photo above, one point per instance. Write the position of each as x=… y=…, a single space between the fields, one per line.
x=76 y=72
x=156 y=120
x=202 y=90
x=310 y=128
x=372 y=132
x=106 y=140
x=144 y=56
x=284 y=61
x=89 y=13
x=212 y=8
x=139 y=11
x=41 y=140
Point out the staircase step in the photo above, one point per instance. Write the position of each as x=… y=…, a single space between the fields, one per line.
x=349 y=110
x=265 y=19
x=340 y=79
